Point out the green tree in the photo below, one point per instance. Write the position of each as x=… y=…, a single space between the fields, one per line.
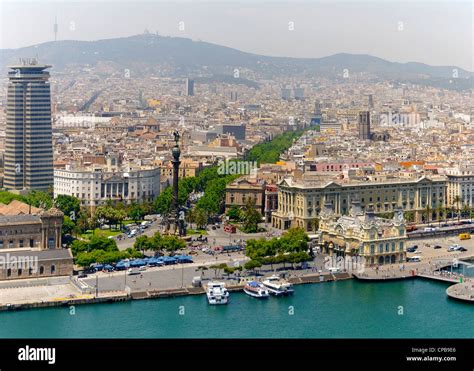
x=156 y=243
x=218 y=267
x=39 y=199
x=457 y=201
x=69 y=227
x=135 y=212
x=251 y=265
x=409 y=216
x=251 y=217
x=294 y=240
x=231 y=270
x=102 y=243
x=439 y=213
x=84 y=221
x=143 y=243
x=234 y=213
x=201 y=269
x=78 y=246
x=7 y=197
x=113 y=216
x=172 y=243
x=428 y=212
x=69 y=205
x=200 y=218
x=270 y=151
x=315 y=224
x=466 y=211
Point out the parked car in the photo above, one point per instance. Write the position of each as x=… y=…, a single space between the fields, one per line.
x=82 y=275
x=108 y=268
x=437 y=247
x=462 y=249
x=454 y=247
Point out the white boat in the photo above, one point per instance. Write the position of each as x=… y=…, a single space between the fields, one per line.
x=217 y=293
x=256 y=290
x=278 y=286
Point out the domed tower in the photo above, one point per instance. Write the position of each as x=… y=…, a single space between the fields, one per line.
x=52 y=221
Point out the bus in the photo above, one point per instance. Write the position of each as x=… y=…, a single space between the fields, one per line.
x=229 y=228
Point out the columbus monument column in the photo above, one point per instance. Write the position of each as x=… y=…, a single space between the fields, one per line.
x=176 y=218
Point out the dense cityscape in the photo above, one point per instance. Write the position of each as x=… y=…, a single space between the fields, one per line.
x=153 y=179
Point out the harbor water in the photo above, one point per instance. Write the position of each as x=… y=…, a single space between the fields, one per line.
x=346 y=309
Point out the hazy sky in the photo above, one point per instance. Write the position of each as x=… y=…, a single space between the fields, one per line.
x=433 y=32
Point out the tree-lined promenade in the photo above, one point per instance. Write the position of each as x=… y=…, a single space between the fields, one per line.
x=213 y=182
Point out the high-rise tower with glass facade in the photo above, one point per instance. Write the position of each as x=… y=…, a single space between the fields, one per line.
x=28 y=143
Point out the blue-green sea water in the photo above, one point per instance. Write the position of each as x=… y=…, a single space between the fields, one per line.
x=344 y=309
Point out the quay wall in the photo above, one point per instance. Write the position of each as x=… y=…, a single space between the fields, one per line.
x=165 y=293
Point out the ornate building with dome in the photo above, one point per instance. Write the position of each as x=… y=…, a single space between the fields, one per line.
x=361 y=234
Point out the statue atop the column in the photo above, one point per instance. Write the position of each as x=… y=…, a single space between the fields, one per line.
x=176 y=136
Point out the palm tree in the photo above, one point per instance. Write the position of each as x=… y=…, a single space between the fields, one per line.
x=409 y=216
x=428 y=213
x=201 y=268
x=449 y=211
x=439 y=212
x=457 y=200
x=466 y=210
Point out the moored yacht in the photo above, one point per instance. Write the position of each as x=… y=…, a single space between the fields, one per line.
x=256 y=290
x=278 y=286
x=217 y=293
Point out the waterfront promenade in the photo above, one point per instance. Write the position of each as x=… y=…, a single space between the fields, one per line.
x=431 y=260
x=176 y=279
x=462 y=291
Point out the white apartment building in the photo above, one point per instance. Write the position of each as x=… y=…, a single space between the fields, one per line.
x=460 y=183
x=94 y=186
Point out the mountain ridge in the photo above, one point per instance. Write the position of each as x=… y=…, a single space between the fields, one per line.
x=186 y=56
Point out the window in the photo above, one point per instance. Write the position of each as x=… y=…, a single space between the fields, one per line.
x=20 y=271
x=9 y=272
x=53 y=269
x=22 y=243
x=372 y=249
x=381 y=248
x=41 y=270
x=10 y=243
x=393 y=246
x=401 y=246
